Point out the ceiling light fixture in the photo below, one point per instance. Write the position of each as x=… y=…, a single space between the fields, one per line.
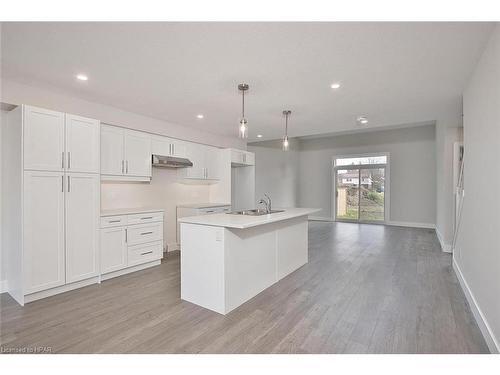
x=362 y=120
x=200 y=116
x=82 y=77
x=243 y=130
x=259 y=135
x=286 y=144
x=335 y=85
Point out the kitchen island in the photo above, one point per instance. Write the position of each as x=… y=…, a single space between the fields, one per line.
x=226 y=259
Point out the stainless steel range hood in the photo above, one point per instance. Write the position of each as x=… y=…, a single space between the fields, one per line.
x=163 y=161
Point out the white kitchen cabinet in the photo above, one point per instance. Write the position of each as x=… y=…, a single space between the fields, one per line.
x=82 y=226
x=43 y=139
x=112 y=158
x=168 y=147
x=125 y=153
x=43 y=230
x=206 y=163
x=82 y=144
x=137 y=151
x=240 y=158
x=53 y=246
x=129 y=241
x=113 y=249
x=212 y=163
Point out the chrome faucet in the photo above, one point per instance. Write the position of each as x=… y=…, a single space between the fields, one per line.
x=267 y=203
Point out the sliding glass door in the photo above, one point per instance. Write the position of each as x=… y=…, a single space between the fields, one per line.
x=360 y=193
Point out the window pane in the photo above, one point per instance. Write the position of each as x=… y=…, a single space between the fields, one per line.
x=381 y=159
x=347 y=194
x=372 y=194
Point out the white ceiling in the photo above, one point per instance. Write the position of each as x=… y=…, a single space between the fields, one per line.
x=394 y=73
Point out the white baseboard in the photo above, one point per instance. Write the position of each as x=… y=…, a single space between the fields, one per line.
x=173 y=246
x=3 y=286
x=446 y=247
x=488 y=335
x=410 y=224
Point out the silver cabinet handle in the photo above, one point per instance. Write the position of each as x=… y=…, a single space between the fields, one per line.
x=173 y=148
x=69 y=184
x=126 y=235
x=62 y=184
x=123 y=166
x=69 y=159
x=146 y=218
x=144 y=233
x=170 y=148
x=126 y=166
x=115 y=221
x=62 y=160
x=147 y=252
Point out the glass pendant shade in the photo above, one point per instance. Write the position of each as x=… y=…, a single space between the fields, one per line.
x=285 y=143
x=243 y=133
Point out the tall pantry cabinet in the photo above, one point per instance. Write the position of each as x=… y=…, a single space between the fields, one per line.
x=51 y=202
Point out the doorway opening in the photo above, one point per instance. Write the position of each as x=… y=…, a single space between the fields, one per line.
x=361 y=188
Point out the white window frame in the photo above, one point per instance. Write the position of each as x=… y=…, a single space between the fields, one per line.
x=387 y=184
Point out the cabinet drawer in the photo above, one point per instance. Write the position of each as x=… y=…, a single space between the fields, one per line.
x=113 y=221
x=145 y=218
x=138 y=234
x=144 y=253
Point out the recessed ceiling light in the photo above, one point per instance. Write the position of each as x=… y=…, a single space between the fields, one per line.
x=82 y=77
x=259 y=135
x=335 y=85
x=362 y=120
x=200 y=116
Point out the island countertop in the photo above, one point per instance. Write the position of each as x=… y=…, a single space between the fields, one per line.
x=246 y=221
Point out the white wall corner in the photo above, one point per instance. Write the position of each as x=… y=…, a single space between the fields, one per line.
x=3 y=286
x=489 y=337
x=445 y=247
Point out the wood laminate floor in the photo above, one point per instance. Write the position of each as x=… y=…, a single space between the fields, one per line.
x=366 y=289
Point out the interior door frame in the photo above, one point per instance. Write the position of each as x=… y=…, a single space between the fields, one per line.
x=387 y=188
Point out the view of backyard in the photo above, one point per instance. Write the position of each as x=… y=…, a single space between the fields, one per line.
x=363 y=201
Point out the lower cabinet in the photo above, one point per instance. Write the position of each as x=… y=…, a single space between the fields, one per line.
x=130 y=240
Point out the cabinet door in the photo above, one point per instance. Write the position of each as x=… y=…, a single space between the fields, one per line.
x=82 y=144
x=178 y=148
x=82 y=226
x=195 y=153
x=43 y=139
x=43 y=232
x=161 y=146
x=112 y=158
x=212 y=161
x=113 y=249
x=137 y=153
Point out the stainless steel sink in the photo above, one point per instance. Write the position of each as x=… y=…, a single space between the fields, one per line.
x=255 y=212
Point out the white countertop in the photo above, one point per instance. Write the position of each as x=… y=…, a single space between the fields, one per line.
x=130 y=211
x=246 y=221
x=202 y=205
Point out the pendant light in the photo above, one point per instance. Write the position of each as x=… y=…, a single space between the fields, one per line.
x=243 y=132
x=285 y=138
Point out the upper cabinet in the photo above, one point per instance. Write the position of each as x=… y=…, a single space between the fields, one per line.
x=54 y=141
x=206 y=163
x=125 y=153
x=82 y=144
x=43 y=139
x=168 y=147
x=240 y=158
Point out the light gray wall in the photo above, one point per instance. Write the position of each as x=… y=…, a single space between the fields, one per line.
x=277 y=173
x=477 y=251
x=412 y=170
x=303 y=177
